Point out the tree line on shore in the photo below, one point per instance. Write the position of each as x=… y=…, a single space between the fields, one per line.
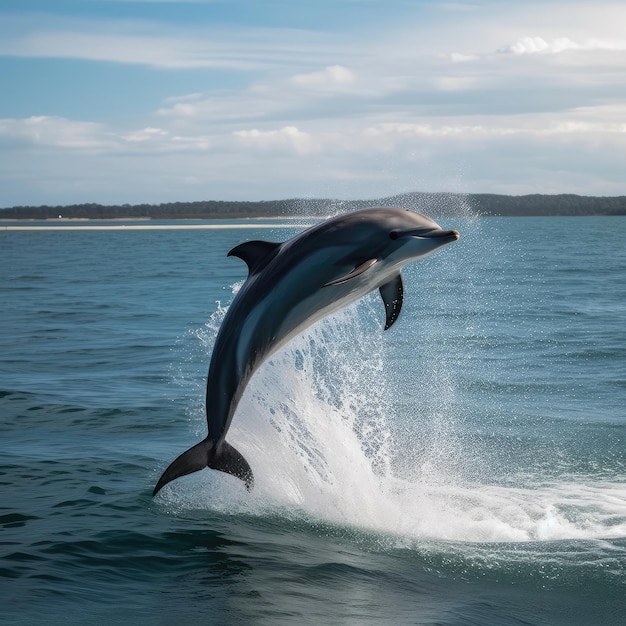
x=440 y=204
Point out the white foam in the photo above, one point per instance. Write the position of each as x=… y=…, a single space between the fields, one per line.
x=317 y=425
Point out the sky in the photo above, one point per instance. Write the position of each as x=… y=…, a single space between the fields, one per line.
x=131 y=101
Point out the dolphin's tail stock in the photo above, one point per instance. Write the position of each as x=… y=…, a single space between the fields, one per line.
x=204 y=454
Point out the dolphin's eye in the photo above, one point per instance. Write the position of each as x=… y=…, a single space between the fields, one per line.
x=394 y=234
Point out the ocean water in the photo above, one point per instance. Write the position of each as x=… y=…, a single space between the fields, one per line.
x=468 y=466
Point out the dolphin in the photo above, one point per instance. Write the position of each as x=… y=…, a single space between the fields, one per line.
x=290 y=286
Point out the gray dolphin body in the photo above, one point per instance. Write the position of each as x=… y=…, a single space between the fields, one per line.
x=290 y=286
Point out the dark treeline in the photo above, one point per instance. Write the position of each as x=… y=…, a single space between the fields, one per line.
x=434 y=203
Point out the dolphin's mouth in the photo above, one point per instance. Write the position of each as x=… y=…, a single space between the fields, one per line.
x=435 y=233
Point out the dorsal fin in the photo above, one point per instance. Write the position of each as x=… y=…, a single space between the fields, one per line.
x=257 y=254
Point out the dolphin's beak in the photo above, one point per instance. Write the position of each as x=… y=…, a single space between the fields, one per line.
x=435 y=233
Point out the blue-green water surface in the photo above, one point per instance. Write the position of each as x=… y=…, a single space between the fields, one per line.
x=467 y=466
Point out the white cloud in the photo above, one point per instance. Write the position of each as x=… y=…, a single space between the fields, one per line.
x=189 y=143
x=146 y=134
x=457 y=57
x=377 y=108
x=155 y=45
x=538 y=45
x=218 y=109
x=585 y=121
x=190 y=97
x=56 y=132
x=263 y=100
x=421 y=130
x=455 y=83
x=89 y=137
x=287 y=137
x=534 y=45
x=161 y=140
x=332 y=76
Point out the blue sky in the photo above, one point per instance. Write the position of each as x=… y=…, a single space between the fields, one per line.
x=116 y=101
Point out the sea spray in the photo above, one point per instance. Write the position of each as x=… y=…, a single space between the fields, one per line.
x=341 y=427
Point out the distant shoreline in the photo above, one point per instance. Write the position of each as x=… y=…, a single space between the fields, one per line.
x=436 y=204
x=113 y=220
x=131 y=227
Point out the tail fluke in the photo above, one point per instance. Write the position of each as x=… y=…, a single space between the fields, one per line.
x=188 y=462
x=203 y=454
x=232 y=462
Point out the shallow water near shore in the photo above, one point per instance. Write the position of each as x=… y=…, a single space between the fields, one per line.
x=468 y=466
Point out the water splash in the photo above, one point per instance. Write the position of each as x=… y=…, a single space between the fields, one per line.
x=354 y=426
x=327 y=438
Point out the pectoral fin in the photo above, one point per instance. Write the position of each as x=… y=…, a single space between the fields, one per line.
x=392 y=295
x=357 y=271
